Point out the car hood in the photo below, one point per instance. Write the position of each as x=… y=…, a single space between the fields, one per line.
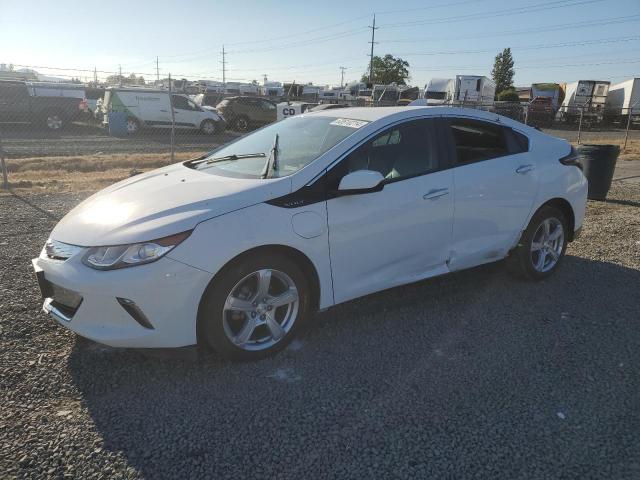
x=160 y=203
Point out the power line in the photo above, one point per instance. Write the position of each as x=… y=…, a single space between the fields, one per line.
x=520 y=31
x=530 y=47
x=496 y=13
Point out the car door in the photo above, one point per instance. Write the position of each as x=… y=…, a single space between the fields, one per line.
x=400 y=233
x=184 y=112
x=495 y=186
x=14 y=102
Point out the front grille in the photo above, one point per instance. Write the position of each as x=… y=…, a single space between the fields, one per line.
x=59 y=251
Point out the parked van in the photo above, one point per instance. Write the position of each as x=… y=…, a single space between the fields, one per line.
x=145 y=107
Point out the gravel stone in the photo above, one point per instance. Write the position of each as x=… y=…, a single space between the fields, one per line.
x=470 y=375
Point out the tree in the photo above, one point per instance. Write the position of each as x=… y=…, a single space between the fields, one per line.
x=387 y=70
x=503 y=71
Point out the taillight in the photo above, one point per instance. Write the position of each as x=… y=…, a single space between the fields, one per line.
x=572 y=159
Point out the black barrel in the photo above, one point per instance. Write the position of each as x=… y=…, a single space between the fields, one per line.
x=599 y=163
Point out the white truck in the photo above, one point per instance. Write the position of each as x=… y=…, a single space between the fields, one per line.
x=439 y=91
x=144 y=107
x=623 y=100
x=584 y=98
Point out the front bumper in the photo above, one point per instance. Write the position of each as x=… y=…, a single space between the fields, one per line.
x=95 y=303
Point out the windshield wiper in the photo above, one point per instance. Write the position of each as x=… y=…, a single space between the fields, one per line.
x=235 y=157
x=208 y=161
x=272 y=161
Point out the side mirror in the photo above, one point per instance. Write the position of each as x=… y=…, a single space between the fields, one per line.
x=361 y=181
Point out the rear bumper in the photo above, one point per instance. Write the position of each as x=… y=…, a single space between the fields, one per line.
x=164 y=298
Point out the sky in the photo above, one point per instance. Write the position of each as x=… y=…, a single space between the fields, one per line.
x=551 y=41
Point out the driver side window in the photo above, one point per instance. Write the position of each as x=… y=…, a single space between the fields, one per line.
x=403 y=151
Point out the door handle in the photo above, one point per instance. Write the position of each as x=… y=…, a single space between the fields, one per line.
x=522 y=169
x=433 y=194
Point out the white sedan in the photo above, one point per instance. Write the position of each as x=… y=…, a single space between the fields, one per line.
x=238 y=248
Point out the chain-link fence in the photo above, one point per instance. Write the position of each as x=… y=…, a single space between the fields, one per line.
x=72 y=136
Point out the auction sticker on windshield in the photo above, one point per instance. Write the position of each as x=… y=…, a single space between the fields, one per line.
x=348 y=122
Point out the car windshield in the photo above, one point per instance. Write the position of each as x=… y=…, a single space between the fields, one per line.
x=301 y=140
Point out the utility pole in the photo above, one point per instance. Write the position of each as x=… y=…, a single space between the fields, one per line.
x=95 y=75
x=264 y=76
x=372 y=42
x=224 y=67
x=158 y=70
x=342 y=69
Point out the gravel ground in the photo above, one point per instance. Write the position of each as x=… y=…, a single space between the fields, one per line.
x=471 y=375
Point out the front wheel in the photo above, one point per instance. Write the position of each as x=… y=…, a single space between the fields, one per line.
x=542 y=246
x=54 y=121
x=242 y=124
x=208 y=127
x=132 y=126
x=254 y=307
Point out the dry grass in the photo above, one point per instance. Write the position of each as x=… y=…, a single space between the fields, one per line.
x=86 y=173
x=632 y=152
x=93 y=172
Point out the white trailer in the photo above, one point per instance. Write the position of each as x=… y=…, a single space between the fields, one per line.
x=546 y=90
x=584 y=98
x=623 y=100
x=475 y=89
x=439 y=91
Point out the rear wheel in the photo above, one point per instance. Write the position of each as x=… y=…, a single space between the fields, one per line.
x=542 y=246
x=132 y=126
x=254 y=307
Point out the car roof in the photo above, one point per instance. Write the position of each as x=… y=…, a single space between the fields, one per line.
x=371 y=114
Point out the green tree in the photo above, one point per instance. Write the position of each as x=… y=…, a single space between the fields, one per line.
x=387 y=70
x=503 y=71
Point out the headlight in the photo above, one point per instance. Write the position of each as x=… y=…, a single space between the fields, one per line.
x=121 y=256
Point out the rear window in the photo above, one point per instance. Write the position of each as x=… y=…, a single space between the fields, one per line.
x=476 y=140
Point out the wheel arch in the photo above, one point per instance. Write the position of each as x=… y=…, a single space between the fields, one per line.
x=567 y=210
x=302 y=260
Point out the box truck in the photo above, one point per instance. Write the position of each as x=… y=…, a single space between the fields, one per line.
x=623 y=100
x=584 y=98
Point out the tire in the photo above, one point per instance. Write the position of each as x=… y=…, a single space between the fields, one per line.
x=535 y=258
x=241 y=123
x=53 y=121
x=252 y=326
x=208 y=127
x=132 y=126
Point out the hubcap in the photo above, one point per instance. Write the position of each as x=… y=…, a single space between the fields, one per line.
x=209 y=127
x=547 y=245
x=242 y=124
x=131 y=126
x=260 y=310
x=54 y=122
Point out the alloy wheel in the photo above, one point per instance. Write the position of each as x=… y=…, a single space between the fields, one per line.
x=260 y=310
x=132 y=126
x=547 y=244
x=54 y=122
